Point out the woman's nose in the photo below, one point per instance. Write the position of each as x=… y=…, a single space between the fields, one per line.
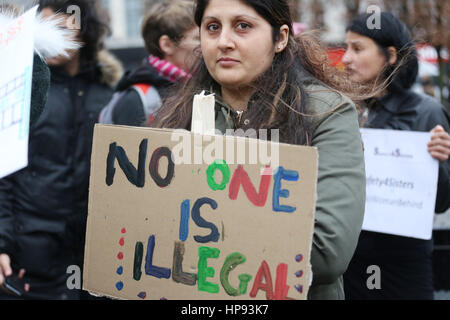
x=226 y=41
x=347 y=58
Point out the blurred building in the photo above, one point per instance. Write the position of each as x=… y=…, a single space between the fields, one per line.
x=125 y=21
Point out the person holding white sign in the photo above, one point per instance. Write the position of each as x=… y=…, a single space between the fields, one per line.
x=264 y=78
x=386 y=57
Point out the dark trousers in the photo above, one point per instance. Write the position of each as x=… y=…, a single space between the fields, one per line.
x=405 y=266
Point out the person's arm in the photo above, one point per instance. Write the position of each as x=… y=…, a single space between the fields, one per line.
x=340 y=192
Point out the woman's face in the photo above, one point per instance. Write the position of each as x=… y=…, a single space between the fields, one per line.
x=236 y=43
x=363 y=59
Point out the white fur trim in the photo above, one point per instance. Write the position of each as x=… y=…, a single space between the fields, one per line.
x=50 y=40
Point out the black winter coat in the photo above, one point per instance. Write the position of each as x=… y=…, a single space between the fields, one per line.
x=43 y=208
x=405 y=263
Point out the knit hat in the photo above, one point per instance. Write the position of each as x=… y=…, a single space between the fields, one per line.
x=392 y=33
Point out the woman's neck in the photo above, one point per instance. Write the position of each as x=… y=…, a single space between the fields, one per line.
x=237 y=99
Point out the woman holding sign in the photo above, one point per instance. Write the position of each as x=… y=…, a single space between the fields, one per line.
x=264 y=78
x=405 y=263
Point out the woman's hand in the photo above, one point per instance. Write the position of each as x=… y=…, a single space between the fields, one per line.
x=5 y=267
x=6 y=271
x=439 y=146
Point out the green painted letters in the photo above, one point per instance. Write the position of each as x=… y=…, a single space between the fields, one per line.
x=231 y=262
x=206 y=272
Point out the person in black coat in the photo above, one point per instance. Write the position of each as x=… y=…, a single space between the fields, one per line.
x=372 y=56
x=43 y=208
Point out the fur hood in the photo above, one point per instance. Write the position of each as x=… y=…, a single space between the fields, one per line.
x=52 y=41
x=110 y=67
x=49 y=39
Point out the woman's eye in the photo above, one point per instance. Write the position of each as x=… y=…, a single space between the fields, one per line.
x=243 y=26
x=212 y=27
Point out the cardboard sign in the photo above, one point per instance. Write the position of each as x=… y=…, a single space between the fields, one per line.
x=162 y=229
x=16 y=65
x=401 y=183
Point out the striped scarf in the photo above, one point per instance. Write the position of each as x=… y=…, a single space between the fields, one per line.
x=167 y=69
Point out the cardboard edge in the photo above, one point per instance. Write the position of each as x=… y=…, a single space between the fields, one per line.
x=166 y=130
x=98 y=294
x=88 y=224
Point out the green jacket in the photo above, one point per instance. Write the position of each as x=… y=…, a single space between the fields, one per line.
x=341 y=186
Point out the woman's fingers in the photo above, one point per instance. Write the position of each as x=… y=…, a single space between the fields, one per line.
x=438 y=128
x=5 y=265
x=21 y=273
x=444 y=144
x=439 y=156
x=439 y=152
x=439 y=146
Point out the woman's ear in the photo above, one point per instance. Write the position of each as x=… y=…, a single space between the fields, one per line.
x=392 y=56
x=167 y=46
x=284 y=38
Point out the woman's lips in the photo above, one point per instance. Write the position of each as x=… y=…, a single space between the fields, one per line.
x=227 y=62
x=349 y=70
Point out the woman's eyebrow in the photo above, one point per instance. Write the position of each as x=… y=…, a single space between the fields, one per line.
x=237 y=17
x=209 y=17
x=355 y=42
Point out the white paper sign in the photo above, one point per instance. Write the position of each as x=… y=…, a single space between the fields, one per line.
x=401 y=183
x=16 y=65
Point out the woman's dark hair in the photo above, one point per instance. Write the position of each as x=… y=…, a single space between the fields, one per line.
x=392 y=33
x=279 y=99
x=93 y=26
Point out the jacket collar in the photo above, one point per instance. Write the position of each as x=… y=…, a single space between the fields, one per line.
x=108 y=70
x=91 y=73
x=399 y=102
x=144 y=74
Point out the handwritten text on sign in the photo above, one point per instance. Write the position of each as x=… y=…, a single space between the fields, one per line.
x=401 y=183
x=208 y=231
